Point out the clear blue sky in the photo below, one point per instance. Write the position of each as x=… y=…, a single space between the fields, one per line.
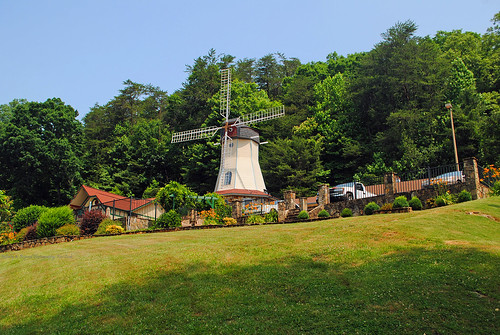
x=81 y=51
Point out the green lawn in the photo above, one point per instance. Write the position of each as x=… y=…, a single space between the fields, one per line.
x=432 y=272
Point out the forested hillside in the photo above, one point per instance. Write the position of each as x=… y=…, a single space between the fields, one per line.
x=362 y=114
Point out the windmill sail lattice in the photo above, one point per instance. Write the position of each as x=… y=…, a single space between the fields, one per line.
x=239 y=166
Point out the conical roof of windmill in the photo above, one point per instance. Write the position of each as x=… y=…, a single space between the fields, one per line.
x=241 y=131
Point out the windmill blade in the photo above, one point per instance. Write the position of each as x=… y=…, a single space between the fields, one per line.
x=225 y=93
x=263 y=115
x=194 y=134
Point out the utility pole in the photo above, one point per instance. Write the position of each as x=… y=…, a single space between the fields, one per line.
x=449 y=106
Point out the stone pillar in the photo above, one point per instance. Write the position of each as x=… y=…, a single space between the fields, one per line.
x=192 y=217
x=471 y=172
x=323 y=194
x=289 y=199
x=303 y=204
x=236 y=209
x=390 y=183
x=282 y=212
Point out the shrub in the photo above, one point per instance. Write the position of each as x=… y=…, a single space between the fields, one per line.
x=21 y=235
x=346 y=212
x=209 y=217
x=175 y=195
x=431 y=202
x=370 y=208
x=101 y=230
x=272 y=216
x=440 y=201
x=464 y=196
x=54 y=218
x=6 y=207
x=221 y=207
x=27 y=216
x=90 y=221
x=256 y=219
x=7 y=235
x=230 y=221
x=323 y=214
x=386 y=207
x=69 y=229
x=415 y=204
x=169 y=219
x=114 y=229
x=303 y=215
x=495 y=189
x=31 y=233
x=400 y=202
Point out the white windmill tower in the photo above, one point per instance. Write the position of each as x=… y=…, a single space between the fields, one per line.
x=239 y=172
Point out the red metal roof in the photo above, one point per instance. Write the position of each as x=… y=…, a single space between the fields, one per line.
x=111 y=199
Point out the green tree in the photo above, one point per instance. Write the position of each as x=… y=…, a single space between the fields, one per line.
x=135 y=102
x=397 y=94
x=41 y=146
x=175 y=196
x=268 y=75
x=293 y=164
x=489 y=129
x=461 y=91
x=139 y=154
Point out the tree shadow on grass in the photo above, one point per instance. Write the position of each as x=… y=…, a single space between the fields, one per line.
x=413 y=291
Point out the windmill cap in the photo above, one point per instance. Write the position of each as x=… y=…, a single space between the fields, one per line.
x=243 y=132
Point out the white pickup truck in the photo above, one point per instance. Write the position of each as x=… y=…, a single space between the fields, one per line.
x=349 y=191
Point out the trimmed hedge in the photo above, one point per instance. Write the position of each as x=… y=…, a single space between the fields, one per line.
x=370 y=208
x=114 y=229
x=101 y=230
x=346 y=212
x=323 y=214
x=400 y=202
x=169 y=219
x=464 y=196
x=303 y=215
x=415 y=204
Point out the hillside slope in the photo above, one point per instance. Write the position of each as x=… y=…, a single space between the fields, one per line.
x=435 y=271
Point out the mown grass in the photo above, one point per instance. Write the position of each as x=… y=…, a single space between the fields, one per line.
x=432 y=272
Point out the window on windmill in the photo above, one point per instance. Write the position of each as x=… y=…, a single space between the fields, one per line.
x=227 y=178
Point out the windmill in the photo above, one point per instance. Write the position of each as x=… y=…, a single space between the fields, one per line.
x=239 y=165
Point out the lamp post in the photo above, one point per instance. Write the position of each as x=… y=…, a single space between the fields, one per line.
x=448 y=106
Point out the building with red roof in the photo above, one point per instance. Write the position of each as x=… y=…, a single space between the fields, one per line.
x=136 y=213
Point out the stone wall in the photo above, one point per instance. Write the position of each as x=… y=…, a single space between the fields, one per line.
x=472 y=185
x=357 y=206
x=42 y=241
